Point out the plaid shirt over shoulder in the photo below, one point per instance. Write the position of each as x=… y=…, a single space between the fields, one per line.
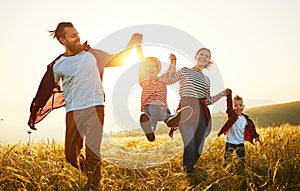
x=250 y=131
x=50 y=95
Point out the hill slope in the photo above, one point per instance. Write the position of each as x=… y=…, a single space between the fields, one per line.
x=272 y=114
x=276 y=114
x=262 y=116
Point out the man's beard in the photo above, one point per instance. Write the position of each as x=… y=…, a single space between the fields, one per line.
x=75 y=48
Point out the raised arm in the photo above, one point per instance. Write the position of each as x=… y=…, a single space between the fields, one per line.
x=167 y=75
x=172 y=66
x=118 y=59
x=142 y=67
x=140 y=53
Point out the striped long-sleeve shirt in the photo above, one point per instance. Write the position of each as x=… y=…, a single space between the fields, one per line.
x=154 y=91
x=192 y=83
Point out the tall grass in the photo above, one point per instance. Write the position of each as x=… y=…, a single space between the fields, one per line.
x=272 y=166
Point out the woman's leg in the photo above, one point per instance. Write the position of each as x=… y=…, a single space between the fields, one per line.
x=200 y=134
x=187 y=131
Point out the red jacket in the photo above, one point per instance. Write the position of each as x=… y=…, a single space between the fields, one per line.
x=49 y=95
x=249 y=133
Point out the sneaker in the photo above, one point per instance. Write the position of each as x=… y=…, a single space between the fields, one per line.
x=181 y=116
x=145 y=123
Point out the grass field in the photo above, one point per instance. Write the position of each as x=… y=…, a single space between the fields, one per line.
x=273 y=166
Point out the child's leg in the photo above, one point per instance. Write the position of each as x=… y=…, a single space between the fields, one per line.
x=166 y=114
x=240 y=151
x=181 y=116
x=228 y=151
x=157 y=113
x=145 y=123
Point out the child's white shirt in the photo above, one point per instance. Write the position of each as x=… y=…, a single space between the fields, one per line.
x=235 y=134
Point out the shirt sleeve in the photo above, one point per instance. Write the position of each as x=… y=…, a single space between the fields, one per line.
x=171 y=79
x=56 y=75
x=209 y=99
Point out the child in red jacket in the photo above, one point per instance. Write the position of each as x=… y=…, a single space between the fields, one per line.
x=238 y=128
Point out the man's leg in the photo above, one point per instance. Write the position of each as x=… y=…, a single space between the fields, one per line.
x=94 y=132
x=74 y=143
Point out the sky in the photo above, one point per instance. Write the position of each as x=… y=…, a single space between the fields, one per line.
x=255 y=45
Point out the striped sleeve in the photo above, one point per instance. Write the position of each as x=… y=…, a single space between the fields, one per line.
x=168 y=78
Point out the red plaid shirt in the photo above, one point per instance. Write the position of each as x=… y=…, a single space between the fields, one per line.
x=249 y=133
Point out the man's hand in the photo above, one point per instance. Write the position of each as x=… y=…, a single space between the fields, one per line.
x=136 y=38
x=86 y=46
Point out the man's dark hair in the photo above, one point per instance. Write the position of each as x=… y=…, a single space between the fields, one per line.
x=59 y=32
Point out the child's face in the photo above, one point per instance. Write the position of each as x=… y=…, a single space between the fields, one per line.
x=238 y=106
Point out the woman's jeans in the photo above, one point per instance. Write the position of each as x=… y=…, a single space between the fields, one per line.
x=193 y=136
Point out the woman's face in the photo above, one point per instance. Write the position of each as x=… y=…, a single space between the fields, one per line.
x=203 y=58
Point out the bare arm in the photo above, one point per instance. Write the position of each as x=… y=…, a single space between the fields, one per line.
x=172 y=66
x=140 y=53
x=141 y=58
x=118 y=59
x=220 y=95
x=136 y=38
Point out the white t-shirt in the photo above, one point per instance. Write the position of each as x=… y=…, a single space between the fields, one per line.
x=235 y=134
x=81 y=81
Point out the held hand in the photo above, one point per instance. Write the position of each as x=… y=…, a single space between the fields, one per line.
x=86 y=46
x=136 y=38
x=227 y=91
x=172 y=57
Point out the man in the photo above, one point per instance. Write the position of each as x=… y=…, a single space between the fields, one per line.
x=79 y=69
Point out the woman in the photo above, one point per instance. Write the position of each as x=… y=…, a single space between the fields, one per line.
x=194 y=91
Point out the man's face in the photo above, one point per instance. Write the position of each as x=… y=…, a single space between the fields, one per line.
x=238 y=106
x=71 y=40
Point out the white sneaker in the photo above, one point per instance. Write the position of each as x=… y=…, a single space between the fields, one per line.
x=182 y=115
